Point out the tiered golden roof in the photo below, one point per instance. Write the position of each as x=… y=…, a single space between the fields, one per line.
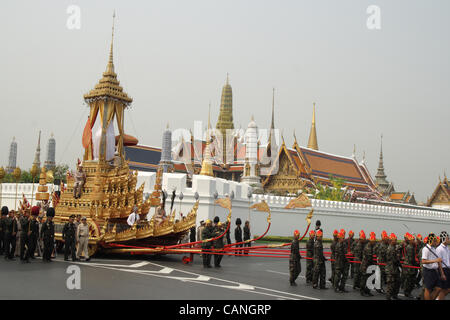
x=108 y=86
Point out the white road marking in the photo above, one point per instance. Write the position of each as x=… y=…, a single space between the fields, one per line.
x=199 y=279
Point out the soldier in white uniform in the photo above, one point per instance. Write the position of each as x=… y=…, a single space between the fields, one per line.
x=83 y=239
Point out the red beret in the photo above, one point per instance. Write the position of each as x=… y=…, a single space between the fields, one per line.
x=35 y=211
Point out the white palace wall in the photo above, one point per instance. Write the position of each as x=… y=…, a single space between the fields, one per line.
x=332 y=214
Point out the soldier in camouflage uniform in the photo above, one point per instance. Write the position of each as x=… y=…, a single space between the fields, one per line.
x=340 y=265
x=332 y=249
x=357 y=252
x=367 y=260
x=410 y=260
x=380 y=252
x=319 y=263
x=309 y=257
x=402 y=249
x=392 y=269
x=350 y=243
x=294 y=259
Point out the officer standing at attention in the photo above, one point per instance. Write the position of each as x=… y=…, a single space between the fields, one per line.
x=68 y=235
x=83 y=239
x=10 y=231
x=309 y=257
x=294 y=259
x=48 y=235
x=207 y=233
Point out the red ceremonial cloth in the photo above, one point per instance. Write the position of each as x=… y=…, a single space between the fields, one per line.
x=87 y=134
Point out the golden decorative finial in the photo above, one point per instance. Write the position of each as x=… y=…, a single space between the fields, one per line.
x=312 y=142
x=110 y=67
x=295 y=138
x=354 y=151
x=227 y=78
x=314 y=113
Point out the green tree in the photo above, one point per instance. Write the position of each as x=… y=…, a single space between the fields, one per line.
x=335 y=192
x=60 y=172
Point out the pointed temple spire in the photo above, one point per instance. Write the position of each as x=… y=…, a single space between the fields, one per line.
x=225 y=120
x=380 y=177
x=312 y=142
x=12 y=159
x=109 y=86
x=110 y=66
x=37 y=155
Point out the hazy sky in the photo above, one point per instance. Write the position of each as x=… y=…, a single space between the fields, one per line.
x=172 y=58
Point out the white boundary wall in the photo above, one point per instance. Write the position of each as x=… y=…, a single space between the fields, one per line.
x=332 y=214
x=8 y=193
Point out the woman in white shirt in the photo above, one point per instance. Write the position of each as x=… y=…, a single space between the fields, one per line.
x=431 y=266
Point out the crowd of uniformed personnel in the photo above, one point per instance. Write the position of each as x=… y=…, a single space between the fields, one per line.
x=27 y=232
x=400 y=264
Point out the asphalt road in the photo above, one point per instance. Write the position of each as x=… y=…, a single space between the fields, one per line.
x=161 y=278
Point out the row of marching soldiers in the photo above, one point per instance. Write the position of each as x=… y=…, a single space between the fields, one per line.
x=354 y=257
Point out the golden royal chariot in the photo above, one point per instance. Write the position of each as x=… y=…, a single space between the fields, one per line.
x=109 y=193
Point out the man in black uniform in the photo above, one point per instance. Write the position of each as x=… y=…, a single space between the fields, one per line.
x=48 y=235
x=25 y=228
x=68 y=235
x=10 y=230
x=2 y=229
x=33 y=233
x=207 y=233
x=238 y=235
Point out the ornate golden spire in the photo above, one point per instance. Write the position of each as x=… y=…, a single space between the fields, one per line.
x=312 y=142
x=109 y=86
